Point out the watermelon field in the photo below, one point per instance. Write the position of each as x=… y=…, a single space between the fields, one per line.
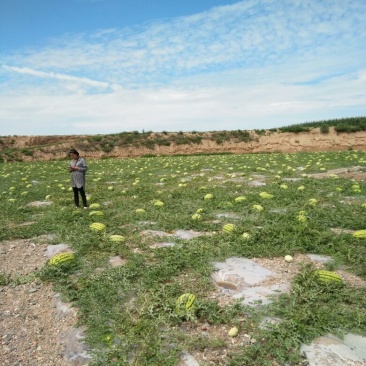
x=249 y=206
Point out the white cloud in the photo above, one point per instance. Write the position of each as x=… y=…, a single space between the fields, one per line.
x=252 y=64
x=58 y=76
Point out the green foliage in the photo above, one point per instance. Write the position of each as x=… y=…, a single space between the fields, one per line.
x=294 y=129
x=4 y=279
x=129 y=311
x=324 y=129
x=348 y=125
x=27 y=152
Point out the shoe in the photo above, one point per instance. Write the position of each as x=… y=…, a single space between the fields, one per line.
x=86 y=207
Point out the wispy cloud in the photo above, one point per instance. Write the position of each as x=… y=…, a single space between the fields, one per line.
x=268 y=62
x=54 y=75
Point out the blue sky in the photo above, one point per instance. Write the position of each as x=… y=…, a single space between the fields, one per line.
x=107 y=66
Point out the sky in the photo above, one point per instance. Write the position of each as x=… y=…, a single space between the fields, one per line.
x=71 y=67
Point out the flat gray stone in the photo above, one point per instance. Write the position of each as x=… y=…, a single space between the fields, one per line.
x=259 y=294
x=39 y=203
x=320 y=258
x=291 y=179
x=187 y=360
x=116 y=261
x=256 y=183
x=248 y=271
x=56 y=249
x=181 y=234
x=241 y=278
x=278 y=210
x=63 y=309
x=76 y=351
x=332 y=351
x=162 y=245
x=228 y=215
x=158 y=233
x=187 y=234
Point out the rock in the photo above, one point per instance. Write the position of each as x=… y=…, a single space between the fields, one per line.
x=75 y=351
x=187 y=360
x=116 y=261
x=56 y=249
x=332 y=351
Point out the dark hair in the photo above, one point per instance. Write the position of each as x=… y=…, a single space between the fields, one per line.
x=73 y=151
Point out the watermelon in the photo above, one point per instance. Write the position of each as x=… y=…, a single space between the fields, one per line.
x=359 y=234
x=94 y=205
x=61 y=259
x=196 y=216
x=96 y=213
x=240 y=199
x=97 y=226
x=328 y=276
x=186 y=304
x=228 y=228
x=116 y=238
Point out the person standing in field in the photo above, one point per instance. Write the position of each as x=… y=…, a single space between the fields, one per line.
x=78 y=168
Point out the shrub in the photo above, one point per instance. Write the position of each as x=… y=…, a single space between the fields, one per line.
x=27 y=152
x=324 y=129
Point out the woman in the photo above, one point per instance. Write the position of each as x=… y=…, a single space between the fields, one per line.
x=77 y=168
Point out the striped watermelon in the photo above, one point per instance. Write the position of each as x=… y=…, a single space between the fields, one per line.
x=116 y=238
x=96 y=213
x=359 y=234
x=328 y=276
x=61 y=259
x=186 y=304
x=94 y=205
x=97 y=226
x=228 y=228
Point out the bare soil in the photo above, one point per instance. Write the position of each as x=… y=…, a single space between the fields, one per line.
x=30 y=326
x=57 y=147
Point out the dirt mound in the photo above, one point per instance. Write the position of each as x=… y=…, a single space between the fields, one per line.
x=35 y=148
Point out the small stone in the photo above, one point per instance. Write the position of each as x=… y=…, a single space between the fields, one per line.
x=116 y=261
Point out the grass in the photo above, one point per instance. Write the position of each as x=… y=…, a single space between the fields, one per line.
x=129 y=311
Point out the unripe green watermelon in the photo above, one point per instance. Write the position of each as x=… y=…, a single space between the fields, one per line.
x=94 y=205
x=61 y=259
x=228 y=228
x=328 y=276
x=116 y=238
x=97 y=226
x=96 y=213
x=186 y=304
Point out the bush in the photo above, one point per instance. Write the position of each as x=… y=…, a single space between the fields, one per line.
x=324 y=129
x=107 y=146
x=27 y=152
x=342 y=128
x=295 y=129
